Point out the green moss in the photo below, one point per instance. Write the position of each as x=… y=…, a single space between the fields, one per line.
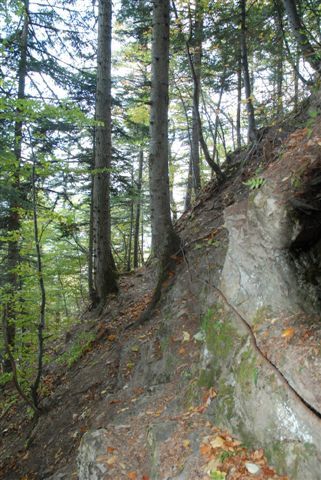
x=279 y=452
x=219 y=333
x=225 y=403
x=206 y=377
x=193 y=394
x=247 y=372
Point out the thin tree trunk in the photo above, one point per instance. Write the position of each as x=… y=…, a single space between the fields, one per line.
x=239 y=102
x=63 y=294
x=217 y=118
x=189 y=186
x=296 y=70
x=246 y=76
x=197 y=62
x=13 y=259
x=299 y=32
x=41 y=324
x=131 y=227
x=279 y=67
x=105 y=270
x=138 y=208
x=209 y=160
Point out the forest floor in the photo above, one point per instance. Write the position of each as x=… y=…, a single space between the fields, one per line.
x=103 y=389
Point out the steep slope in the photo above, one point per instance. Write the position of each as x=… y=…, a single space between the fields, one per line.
x=234 y=345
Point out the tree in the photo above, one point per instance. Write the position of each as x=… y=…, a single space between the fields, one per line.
x=197 y=62
x=246 y=75
x=105 y=271
x=300 y=33
x=164 y=240
x=14 y=220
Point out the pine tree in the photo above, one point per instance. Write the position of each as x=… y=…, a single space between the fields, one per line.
x=105 y=271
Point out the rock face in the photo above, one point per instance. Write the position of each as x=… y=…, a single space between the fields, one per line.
x=255 y=288
x=91 y=465
x=271 y=278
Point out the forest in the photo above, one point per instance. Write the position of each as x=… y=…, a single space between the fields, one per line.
x=114 y=116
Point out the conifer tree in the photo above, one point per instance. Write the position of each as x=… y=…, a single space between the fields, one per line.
x=105 y=271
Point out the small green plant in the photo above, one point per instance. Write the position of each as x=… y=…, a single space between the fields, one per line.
x=225 y=455
x=255 y=182
x=80 y=345
x=311 y=121
x=296 y=181
x=217 y=475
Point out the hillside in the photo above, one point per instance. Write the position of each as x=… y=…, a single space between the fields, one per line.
x=223 y=381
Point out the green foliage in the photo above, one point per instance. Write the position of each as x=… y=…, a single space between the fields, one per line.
x=313 y=114
x=255 y=183
x=79 y=346
x=217 y=475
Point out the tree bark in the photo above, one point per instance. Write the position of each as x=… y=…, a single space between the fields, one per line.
x=301 y=36
x=279 y=66
x=164 y=239
x=189 y=186
x=246 y=76
x=239 y=104
x=131 y=226
x=105 y=270
x=138 y=209
x=42 y=313
x=13 y=258
x=209 y=160
x=197 y=62
x=91 y=243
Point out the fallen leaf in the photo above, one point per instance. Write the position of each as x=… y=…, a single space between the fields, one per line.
x=186 y=443
x=111 y=338
x=112 y=460
x=132 y=475
x=258 y=454
x=110 y=449
x=206 y=450
x=288 y=332
x=135 y=348
x=218 y=442
x=186 y=336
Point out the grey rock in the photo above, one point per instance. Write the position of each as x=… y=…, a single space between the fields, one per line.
x=93 y=445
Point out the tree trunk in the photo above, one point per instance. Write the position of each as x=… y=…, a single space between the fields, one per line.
x=164 y=239
x=299 y=32
x=296 y=71
x=279 y=66
x=239 y=102
x=13 y=258
x=42 y=314
x=188 y=194
x=131 y=226
x=91 y=248
x=138 y=208
x=246 y=76
x=197 y=62
x=209 y=160
x=105 y=271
